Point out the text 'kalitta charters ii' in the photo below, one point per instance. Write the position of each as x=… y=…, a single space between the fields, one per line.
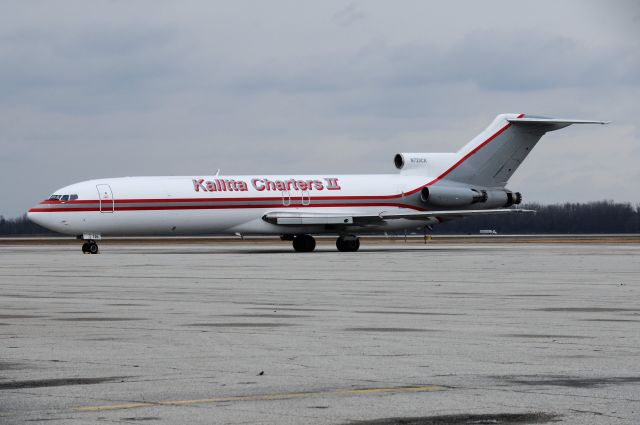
x=263 y=184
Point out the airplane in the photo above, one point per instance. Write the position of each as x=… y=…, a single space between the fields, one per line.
x=428 y=189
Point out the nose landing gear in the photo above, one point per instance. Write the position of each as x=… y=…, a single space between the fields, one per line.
x=349 y=243
x=90 y=247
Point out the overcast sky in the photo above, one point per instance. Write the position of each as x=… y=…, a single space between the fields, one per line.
x=94 y=89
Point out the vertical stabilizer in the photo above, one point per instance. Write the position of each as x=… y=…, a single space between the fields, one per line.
x=491 y=158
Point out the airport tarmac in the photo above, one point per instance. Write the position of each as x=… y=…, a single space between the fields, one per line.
x=202 y=333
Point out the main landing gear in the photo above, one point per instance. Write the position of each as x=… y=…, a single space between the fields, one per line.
x=306 y=243
x=90 y=247
x=348 y=243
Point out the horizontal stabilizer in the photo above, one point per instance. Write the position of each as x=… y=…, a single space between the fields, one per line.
x=550 y=124
x=554 y=120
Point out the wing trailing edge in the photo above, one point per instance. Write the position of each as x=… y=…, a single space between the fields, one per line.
x=295 y=218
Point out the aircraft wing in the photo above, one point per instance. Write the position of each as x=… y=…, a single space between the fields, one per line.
x=297 y=218
x=422 y=215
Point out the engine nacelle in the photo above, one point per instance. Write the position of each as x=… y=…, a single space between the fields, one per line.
x=421 y=163
x=406 y=161
x=456 y=197
x=452 y=196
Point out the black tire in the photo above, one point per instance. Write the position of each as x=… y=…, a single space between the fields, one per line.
x=85 y=248
x=304 y=243
x=93 y=248
x=350 y=244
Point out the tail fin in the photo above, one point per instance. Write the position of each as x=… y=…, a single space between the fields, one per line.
x=492 y=157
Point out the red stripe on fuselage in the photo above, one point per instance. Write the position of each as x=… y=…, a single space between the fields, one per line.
x=216 y=199
x=218 y=207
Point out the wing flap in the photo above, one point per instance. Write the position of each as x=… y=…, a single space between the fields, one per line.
x=296 y=218
x=292 y=221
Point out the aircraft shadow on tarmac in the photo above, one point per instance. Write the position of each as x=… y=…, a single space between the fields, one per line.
x=321 y=251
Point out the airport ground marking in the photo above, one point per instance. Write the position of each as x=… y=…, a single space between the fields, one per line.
x=259 y=397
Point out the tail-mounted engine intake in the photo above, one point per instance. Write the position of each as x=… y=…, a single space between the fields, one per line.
x=421 y=163
x=404 y=161
x=463 y=197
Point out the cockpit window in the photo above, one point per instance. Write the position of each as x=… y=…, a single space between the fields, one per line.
x=63 y=198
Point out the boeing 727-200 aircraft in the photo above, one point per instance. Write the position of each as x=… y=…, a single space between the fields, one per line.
x=429 y=188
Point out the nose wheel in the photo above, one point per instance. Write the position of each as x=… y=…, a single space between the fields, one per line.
x=90 y=247
x=348 y=243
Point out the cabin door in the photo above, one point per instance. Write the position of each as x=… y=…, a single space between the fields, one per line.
x=106 y=198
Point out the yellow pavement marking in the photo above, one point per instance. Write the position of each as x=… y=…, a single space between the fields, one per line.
x=258 y=397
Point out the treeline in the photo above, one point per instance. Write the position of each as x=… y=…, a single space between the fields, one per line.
x=21 y=226
x=571 y=218
x=591 y=217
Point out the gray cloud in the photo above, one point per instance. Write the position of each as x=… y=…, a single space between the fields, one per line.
x=492 y=60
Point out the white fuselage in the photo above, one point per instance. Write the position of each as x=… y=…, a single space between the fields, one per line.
x=192 y=205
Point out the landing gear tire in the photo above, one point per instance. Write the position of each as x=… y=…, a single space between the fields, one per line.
x=348 y=243
x=90 y=247
x=304 y=243
x=93 y=248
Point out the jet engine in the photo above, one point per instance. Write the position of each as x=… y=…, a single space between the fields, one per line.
x=451 y=196
x=456 y=197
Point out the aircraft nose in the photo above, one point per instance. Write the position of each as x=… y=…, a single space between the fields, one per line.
x=34 y=217
x=40 y=218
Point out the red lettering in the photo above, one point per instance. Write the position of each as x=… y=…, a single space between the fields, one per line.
x=258 y=184
x=198 y=184
x=332 y=183
x=270 y=185
x=291 y=183
x=318 y=184
x=211 y=187
x=302 y=185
